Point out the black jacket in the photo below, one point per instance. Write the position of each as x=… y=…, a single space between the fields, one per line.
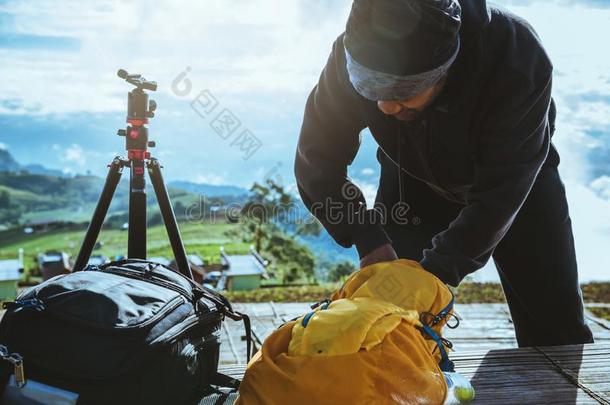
x=481 y=143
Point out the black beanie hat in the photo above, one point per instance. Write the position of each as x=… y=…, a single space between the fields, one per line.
x=403 y=37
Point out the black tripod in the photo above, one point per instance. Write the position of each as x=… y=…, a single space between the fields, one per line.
x=139 y=110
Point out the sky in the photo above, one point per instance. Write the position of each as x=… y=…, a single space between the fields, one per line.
x=256 y=61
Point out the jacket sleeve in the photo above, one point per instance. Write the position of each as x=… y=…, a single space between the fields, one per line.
x=328 y=143
x=513 y=144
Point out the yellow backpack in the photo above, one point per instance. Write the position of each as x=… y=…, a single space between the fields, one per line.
x=377 y=341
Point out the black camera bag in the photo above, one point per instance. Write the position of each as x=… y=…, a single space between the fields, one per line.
x=131 y=331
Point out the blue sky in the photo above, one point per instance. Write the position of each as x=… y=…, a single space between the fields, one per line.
x=61 y=102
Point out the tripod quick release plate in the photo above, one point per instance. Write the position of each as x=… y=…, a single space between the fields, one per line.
x=139 y=108
x=137 y=80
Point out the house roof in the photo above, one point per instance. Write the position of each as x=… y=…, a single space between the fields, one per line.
x=97 y=260
x=9 y=270
x=51 y=257
x=196 y=260
x=243 y=265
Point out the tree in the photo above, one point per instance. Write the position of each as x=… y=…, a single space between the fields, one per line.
x=293 y=259
x=270 y=221
x=5 y=199
x=341 y=270
x=9 y=211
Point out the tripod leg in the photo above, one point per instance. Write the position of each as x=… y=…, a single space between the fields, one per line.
x=93 y=231
x=167 y=212
x=136 y=238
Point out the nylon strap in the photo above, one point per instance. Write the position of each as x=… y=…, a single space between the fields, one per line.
x=445 y=364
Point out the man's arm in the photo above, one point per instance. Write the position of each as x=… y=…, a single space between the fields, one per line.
x=329 y=141
x=513 y=145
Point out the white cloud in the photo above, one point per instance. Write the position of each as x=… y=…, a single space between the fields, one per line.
x=3 y=146
x=601 y=186
x=211 y=178
x=582 y=70
x=74 y=154
x=590 y=216
x=367 y=171
x=265 y=55
x=369 y=191
x=237 y=47
x=591 y=223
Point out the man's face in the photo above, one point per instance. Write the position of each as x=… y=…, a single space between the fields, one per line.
x=408 y=110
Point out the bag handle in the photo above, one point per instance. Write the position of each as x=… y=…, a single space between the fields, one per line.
x=238 y=316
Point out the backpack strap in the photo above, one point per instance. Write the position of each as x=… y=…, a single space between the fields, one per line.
x=444 y=312
x=322 y=305
x=430 y=319
x=326 y=302
x=248 y=329
x=222 y=398
x=16 y=361
x=445 y=364
x=225 y=381
x=238 y=316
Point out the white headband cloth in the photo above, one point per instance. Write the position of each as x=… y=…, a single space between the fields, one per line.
x=380 y=86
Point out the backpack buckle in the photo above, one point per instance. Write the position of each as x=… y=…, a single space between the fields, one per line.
x=17 y=361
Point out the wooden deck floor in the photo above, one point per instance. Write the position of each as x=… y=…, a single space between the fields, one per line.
x=482 y=327
x=485 y=352
x=550 y=375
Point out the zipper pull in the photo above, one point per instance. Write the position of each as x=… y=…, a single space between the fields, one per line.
x=150 y=268
x=31 y=304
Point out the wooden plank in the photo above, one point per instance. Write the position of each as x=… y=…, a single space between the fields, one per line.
x=529 y=375
x=482 y=326
x=486 y=354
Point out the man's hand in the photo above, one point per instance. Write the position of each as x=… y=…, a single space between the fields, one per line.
x=384 y=253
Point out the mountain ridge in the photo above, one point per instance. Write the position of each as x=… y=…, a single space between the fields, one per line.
x=48 y=195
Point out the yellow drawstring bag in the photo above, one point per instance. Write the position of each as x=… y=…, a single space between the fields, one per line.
x=377 y=342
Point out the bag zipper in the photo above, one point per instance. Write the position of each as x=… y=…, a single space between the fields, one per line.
x=189 y=323
x=198 y=291
x=48 y=308
x=20 y=305
x=192 y=297
x=149 y=277
x=129 y=273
